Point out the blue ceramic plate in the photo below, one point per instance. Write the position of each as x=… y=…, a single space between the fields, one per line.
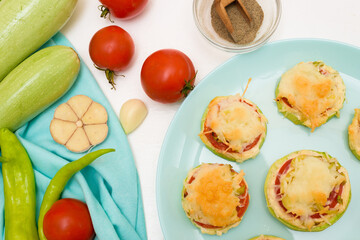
x=182 y=148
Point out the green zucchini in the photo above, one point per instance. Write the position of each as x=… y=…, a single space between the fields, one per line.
x=35 y=84
x=25 y=25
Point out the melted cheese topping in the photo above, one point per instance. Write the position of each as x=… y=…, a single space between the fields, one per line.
x=211 y=196
x=234 y=122
x=308 y=185
x=312 y=93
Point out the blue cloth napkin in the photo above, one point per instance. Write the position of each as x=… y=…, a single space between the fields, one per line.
x=109 y=186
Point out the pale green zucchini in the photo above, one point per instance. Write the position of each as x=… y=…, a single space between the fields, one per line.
x=35 y=84
x=25 y=25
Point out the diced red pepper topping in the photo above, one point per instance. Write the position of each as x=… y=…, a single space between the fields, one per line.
x=253 y=144
x=323 y=71
x=242 y=100
x=211 y=136
x=284 y=168
x=286 y=101
x=316 y=215
x=203 y=225
x=243 y=201
x=333 y=198
x=191 y=179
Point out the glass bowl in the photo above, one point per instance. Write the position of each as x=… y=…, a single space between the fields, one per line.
x=202 y=16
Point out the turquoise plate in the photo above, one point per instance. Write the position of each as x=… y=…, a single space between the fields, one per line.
x=182 y=148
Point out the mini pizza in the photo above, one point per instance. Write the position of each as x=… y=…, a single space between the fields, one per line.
x=310 y=94
x=266 y=237
x=215 y=197
x=307 y=190
x=233 y=128
x=354 y=134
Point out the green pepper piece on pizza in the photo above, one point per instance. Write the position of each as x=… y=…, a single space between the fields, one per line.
x=215 y=197
x=310 y=94
x=233 y=127
x=307 y=190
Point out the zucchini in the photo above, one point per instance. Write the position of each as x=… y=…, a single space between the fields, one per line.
x=36 y=83
x=25 y=25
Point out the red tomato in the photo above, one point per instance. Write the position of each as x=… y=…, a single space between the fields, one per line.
x=124 y=9
x=167 y=76
x=111 y=49
x=68 y=219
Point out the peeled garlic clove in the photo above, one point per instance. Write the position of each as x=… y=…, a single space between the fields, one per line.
x=132 y=114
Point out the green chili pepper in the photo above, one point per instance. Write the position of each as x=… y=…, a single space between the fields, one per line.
x=58 y=183
x=19 y=189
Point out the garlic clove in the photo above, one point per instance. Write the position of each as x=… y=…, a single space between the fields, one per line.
x=80 y=104
x=96 y=133
x=132 y=114
x=95 y=114
x=78 y=142
x=64 y=112
x=61 y=130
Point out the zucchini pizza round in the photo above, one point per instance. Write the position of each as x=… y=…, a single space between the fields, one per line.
x=307 y=190
x=215 y=197
x=266 y=237
x=354 y=134
x=310 y=94
x=233 y=127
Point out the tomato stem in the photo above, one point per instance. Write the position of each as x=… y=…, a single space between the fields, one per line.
x=105 y=12
x=188 y=86
x=109 y=75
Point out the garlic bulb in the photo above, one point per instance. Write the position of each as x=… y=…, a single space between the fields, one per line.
x=79 y=123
